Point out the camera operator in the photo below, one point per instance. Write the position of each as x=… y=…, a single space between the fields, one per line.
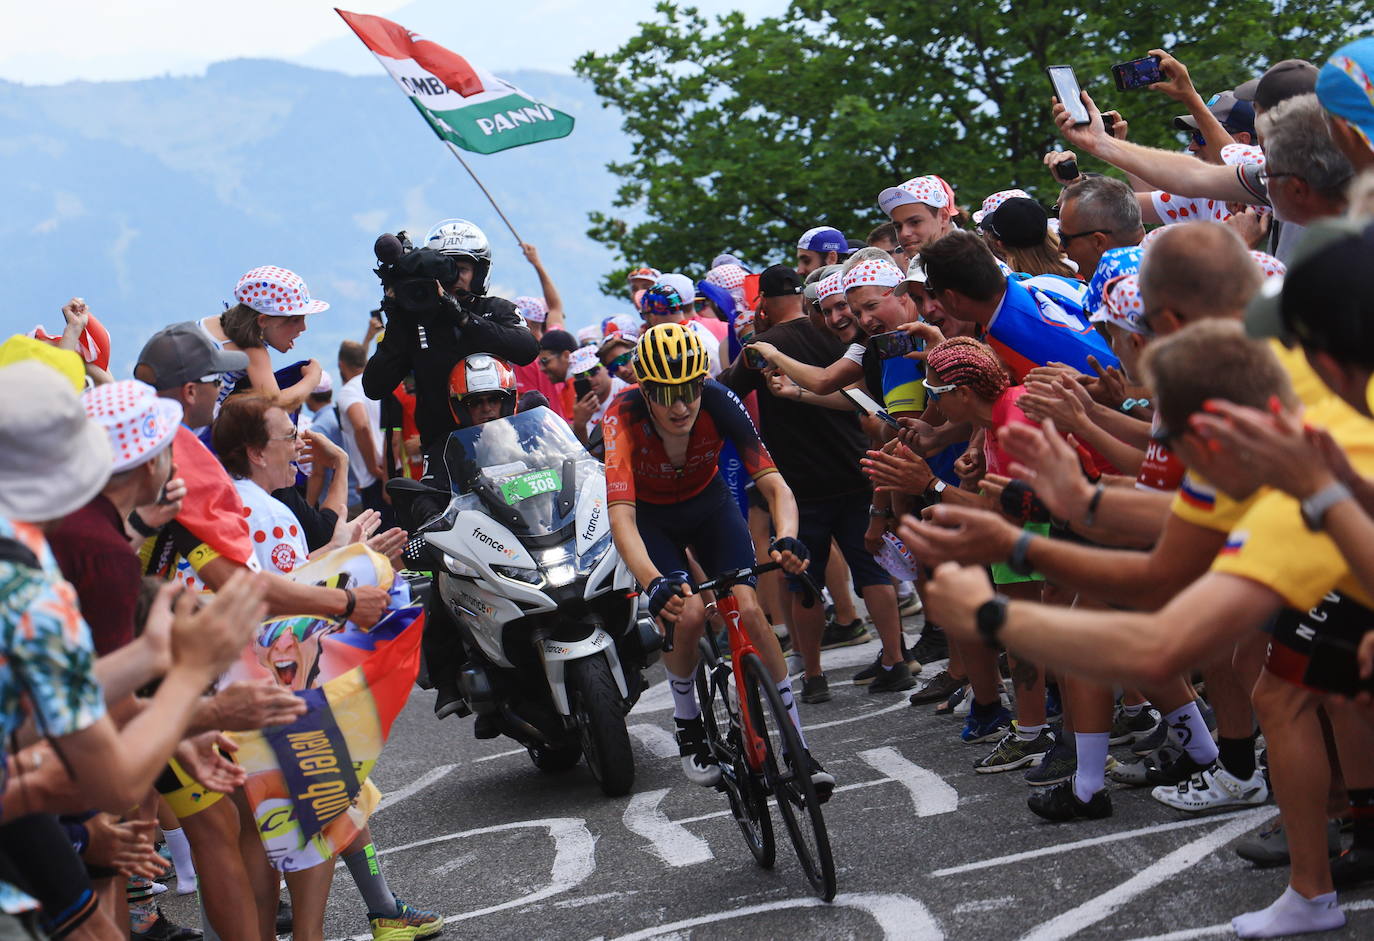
x=438 y=312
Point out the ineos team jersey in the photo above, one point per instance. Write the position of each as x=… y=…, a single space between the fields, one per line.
x=637 y=464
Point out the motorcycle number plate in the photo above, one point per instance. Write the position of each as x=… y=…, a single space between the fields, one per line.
x=547 y=480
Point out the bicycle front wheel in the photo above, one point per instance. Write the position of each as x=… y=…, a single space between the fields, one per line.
x=748 y=802
x=786 y=774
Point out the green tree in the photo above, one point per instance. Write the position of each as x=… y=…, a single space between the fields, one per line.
x=744 y=135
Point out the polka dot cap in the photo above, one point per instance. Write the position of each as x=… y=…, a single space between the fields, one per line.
x=645 y=273
x=1115 y=262
x=877 y=272
x=1121 y=304
x=729 y=277
x=1271 y=266
x=991 y=204
x=531 y=308
x=582 y=359
x=830 y=286
x=927 y=190
x=276 y=292
x=139 y=425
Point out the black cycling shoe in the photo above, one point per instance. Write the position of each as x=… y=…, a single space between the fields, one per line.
x=821 y=780
x=698 y=764
x=1175 y=772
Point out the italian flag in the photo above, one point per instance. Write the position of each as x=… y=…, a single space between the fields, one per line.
x=464 y=104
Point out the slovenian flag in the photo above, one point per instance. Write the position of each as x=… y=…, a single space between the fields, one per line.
x=463 y=103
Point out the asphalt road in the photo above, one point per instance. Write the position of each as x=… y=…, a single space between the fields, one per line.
x=924 y=847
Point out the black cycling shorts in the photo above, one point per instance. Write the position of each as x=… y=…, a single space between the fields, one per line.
x=709 y=524
x=845 y=520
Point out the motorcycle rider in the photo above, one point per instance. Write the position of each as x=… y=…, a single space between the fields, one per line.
x=481 y=388
x=438 y=313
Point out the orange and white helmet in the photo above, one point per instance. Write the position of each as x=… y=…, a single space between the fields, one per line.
x=478 y=375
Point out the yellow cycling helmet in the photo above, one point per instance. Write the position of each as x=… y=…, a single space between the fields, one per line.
x=670 y=354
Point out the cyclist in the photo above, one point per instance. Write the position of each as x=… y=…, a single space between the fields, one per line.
x=663 y=441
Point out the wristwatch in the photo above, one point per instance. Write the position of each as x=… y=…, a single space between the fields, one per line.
x=991 y=615
x=1017 y=561
x=1314 y=507
x=936 y=489
x=879 y=514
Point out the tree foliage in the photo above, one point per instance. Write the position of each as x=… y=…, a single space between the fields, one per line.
x=744 y=135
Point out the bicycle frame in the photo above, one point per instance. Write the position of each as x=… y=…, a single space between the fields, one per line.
x=755 y=749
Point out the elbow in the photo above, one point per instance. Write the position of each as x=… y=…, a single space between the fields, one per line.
x=1162 y=661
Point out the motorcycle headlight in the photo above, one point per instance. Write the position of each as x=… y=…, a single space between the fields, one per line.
x=559 y=564
x=528 y=576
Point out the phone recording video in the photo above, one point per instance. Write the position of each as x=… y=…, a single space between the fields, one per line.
x=1138 y=73
x=754 y=359
x=581 y=386
x=896 y=343
x=1068 y=91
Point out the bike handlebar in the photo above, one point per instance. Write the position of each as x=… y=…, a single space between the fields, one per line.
x=810 y=591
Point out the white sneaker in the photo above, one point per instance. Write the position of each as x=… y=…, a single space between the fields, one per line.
x=1213 y=788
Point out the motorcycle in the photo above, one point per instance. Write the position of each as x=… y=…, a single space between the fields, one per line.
x=523 y=562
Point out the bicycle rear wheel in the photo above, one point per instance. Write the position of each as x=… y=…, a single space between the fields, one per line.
x=748 y=803
x=786 y=774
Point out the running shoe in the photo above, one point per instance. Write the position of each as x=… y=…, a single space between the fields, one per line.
x=898 y=679
x=909 y=605
x=1056 y=765
x=1352 y=868
x=1013 y=752
x=1213 y=788
x=164 y=929
x=1269 y=847
x=844 y=635
x=285 y=915
x=697 y=761
x=1060 y=804
x=815 y=689
x=408 y=924
x=932 y=646
x=955 y=700
x=987 y=726
x=1127 y=728
x=940 y=686
x=866 y=675
x=1152 y=742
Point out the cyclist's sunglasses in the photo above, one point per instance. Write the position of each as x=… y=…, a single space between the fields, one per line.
x=665 y=394
x=303 y=628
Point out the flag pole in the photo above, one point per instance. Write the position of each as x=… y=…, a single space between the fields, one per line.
x=454 y=150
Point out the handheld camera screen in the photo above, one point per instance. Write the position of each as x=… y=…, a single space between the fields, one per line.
x=1067 y=90
x=1138 y=73
x=896 y=343
x=865 y=404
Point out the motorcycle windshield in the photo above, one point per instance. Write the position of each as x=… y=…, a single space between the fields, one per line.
x=526 y=468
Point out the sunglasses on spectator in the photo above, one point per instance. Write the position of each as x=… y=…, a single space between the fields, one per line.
x=622 y=361
x=666 y=394
x=936 y=391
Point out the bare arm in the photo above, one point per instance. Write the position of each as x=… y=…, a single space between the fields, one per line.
x=782 y=506
x=1175 y=173
x=551 y=298
x=265 y=382
x=821 y=380
x=1110 y=646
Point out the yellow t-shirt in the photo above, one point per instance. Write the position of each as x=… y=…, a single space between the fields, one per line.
x=1273 y=546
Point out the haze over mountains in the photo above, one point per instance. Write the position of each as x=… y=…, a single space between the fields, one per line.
x=149 y=198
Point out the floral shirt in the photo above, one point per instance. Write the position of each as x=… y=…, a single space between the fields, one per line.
x=46 y=657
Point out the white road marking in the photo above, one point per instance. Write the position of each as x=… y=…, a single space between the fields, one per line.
x=930 y=794
x=660 y=742
x=900 y=704
x=414 y=787
x=671 y=841
x=898 y=916
x=1226 y=931
x=574 y=860
x=593 y=899
x=502 y=754
x=1096 y=909
x=1060 y=848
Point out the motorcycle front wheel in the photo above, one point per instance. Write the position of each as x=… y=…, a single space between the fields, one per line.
x=598 y=709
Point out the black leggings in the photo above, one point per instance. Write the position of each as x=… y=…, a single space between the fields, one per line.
x=37 y=857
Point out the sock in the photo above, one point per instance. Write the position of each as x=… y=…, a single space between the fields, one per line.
x=143 y=915
x=1291 y=913
x=1188 y=730
x=367 y=875
x=1133 y=711
x=181 y=855
x=1091 y=775
x=788 y=700
x=1362 y=814
x=1237 y=756
x=1028 y=733
x=685 y=704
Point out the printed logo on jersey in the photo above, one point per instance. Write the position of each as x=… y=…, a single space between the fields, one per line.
x=1235 y=542
x=1196 y=494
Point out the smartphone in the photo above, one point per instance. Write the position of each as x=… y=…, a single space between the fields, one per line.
x=1332 y=667
x=865 y=404
x=1138 y=73
x=581 y=386
x=1067 y=90
x=896 y=343
x=754 y=359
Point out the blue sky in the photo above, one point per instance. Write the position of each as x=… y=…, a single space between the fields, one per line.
x=97 y=40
